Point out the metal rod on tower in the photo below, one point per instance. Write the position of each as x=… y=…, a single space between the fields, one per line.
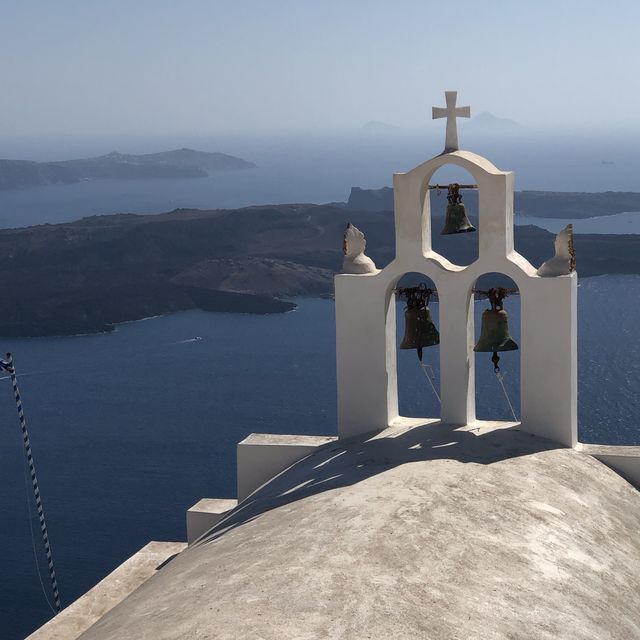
x=446 y=186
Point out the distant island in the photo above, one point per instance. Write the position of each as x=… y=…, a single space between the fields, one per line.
x=179 y=163
x=538 y=204
x=87 y=276
x=486 y=121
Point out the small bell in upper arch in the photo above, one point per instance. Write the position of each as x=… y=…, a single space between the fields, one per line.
x=494 y=334
x=456 y=220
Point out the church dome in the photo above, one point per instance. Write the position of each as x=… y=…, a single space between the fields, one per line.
x=426 y=532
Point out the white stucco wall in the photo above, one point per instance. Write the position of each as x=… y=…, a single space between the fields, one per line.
x=261 y=456
x=625 y=460
x=205 y=515
x=365 y=315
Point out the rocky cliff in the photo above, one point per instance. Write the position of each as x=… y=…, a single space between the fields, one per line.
x=540 y=204
x=87 y=275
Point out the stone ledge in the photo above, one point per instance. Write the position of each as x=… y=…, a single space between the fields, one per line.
x=205 y=514
x=624 y=460
x=262 y=456
x=75 y=619
x=286 y=440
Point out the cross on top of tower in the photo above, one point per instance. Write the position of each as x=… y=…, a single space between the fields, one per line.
x=451 y=112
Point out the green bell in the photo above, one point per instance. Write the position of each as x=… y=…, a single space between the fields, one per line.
x=419 y=330
x=494 y=332
x=456 y=220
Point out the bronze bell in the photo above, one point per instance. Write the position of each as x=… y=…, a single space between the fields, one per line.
x=494 y=333
x=456 y=220
x=419 y=330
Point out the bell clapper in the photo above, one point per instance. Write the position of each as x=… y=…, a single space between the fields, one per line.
x=496 y=305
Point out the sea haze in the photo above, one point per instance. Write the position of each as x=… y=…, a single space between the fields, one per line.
x=311 y=168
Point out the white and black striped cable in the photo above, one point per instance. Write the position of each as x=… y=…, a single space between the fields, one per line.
x=8 y=366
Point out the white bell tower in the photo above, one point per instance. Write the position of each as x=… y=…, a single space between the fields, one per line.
x=365 y=311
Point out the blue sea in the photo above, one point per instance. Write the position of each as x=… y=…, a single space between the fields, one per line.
x=131 y=428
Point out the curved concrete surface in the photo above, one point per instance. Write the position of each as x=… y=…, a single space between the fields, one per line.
x=424 y=533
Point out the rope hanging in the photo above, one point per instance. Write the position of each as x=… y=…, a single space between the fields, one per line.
x=7 y=365
x=424 y=368
x=500 y=377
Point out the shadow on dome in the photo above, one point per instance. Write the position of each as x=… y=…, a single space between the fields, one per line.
x=353 y=460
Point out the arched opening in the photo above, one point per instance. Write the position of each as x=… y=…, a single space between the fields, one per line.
x=497 y=391
x=457 y=246
x=418 y=379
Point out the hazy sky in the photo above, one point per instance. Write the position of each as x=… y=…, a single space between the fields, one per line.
x=151 y=66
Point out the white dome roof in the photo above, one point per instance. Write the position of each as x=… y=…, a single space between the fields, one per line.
x=425 y=533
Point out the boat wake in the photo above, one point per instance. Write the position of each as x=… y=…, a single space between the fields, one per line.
x=196 y=339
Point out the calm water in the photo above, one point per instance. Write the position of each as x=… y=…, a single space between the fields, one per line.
x=621 y=223
x=132 y=428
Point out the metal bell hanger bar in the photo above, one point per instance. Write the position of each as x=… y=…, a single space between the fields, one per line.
x=420 y=291
x=442 y=187
x=495 y=293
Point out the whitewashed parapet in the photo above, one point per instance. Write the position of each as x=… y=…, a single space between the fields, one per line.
x=365 y=315
x=262 y=456
x=624 y=460
x=206 y=514
x=81 y=614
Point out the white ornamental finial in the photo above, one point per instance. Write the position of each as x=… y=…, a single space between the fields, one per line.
x=353 y=246
x=564 y=262
x=451 y=112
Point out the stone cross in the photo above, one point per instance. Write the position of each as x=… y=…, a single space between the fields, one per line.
x=451 y=112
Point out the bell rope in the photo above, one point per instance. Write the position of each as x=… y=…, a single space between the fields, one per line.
x=424 y=368
x=500 y=377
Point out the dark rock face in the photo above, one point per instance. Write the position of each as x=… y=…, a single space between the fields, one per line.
x=22 y=174
x=181 y=163
x=561 y=204
x=371 y=199
x=255 y=276
x=84 y=276
x=541 y=204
